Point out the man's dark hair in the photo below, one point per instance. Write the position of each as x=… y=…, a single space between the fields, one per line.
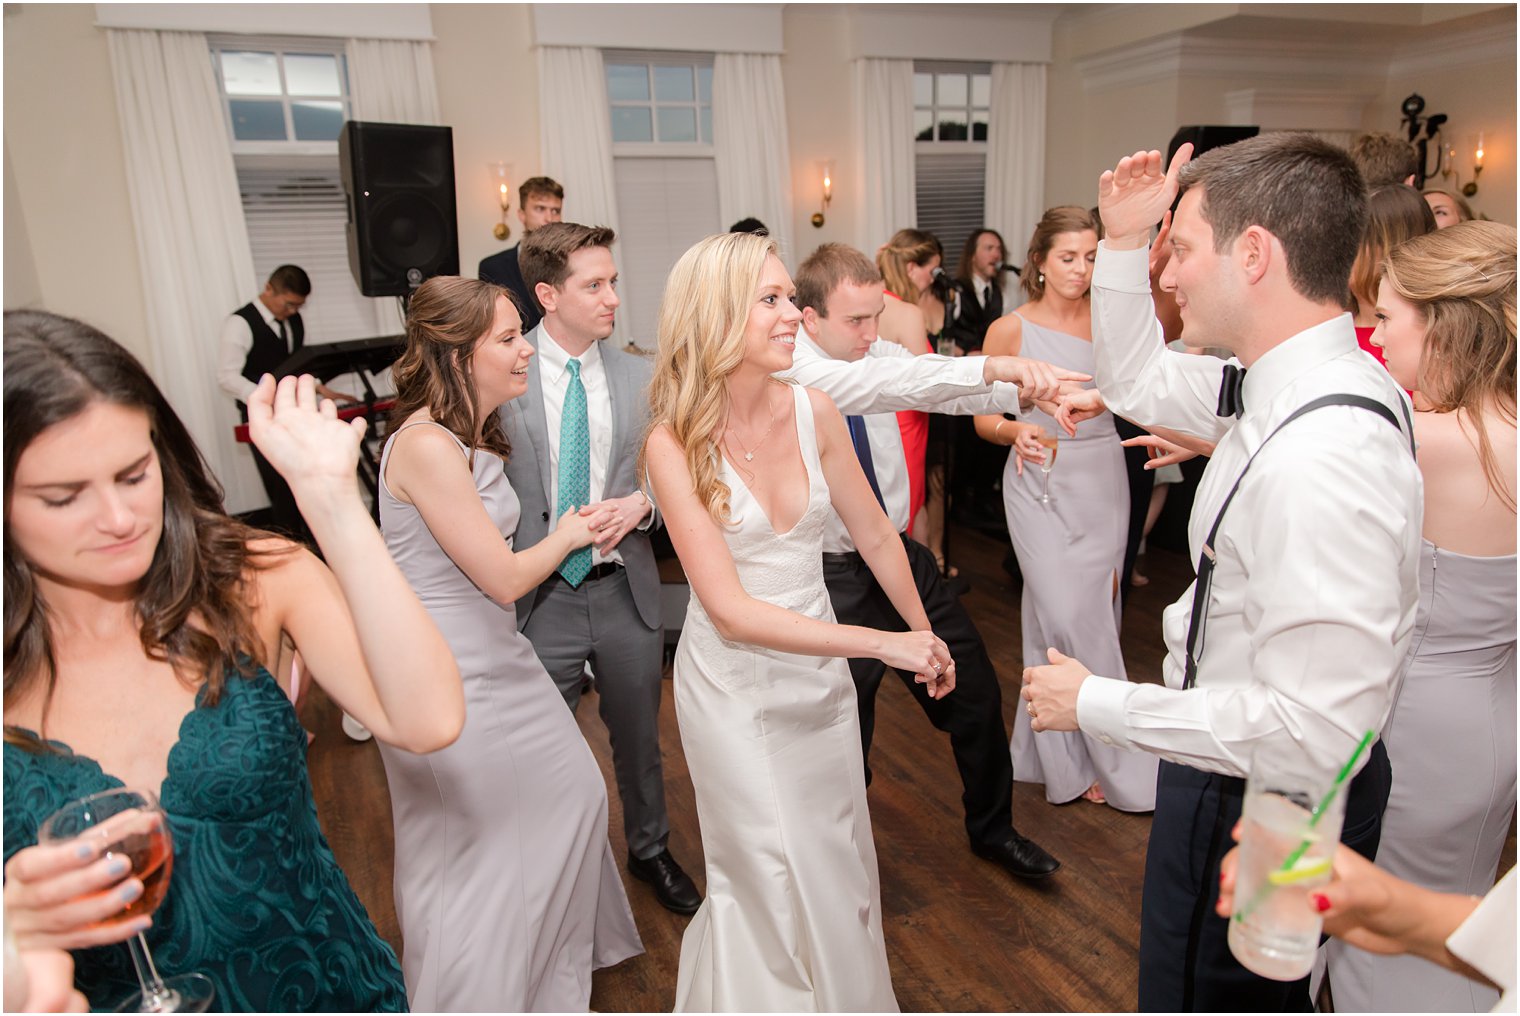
x=968 y=252
x=544 y=255
x=290 y=279
x=1384 y=158
x=547 y=186
x=826 y=269
x=1301 y=189
x=750 y=225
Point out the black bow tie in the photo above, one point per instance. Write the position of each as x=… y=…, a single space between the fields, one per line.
x=1230 y=402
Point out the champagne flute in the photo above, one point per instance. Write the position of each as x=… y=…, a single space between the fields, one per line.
x=1051 y=444
x=131 y=825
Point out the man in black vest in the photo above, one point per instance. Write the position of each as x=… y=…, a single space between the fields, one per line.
x=540 y=201
x=256 y=340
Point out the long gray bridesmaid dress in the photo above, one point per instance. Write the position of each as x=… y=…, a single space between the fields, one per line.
x=506 y=889
x=1069 y=552
x=1451 y=742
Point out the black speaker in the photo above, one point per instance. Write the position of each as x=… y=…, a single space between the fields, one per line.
x=402 y=226
x=1204 y=138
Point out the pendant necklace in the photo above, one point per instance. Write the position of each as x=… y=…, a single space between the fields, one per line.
x=749 y=454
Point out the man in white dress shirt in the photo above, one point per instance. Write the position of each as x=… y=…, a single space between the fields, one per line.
x=1313 y=566
x=575 y=435
x=838 y=352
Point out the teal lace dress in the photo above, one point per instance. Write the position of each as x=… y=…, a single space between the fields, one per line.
x=256 y=901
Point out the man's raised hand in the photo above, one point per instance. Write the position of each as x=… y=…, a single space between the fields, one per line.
x=1135 y=194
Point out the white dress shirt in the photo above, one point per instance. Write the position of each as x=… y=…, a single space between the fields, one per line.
x=1486 y=940
x=886 y=380
x=554 y=377
x=1315 y=581
x=236 y=340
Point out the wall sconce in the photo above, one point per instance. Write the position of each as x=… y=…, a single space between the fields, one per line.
x=1412 y=107
x=1471 y=187
x=501 y=180
x=826 y=176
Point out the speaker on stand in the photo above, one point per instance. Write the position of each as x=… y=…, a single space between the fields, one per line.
x=402 y=224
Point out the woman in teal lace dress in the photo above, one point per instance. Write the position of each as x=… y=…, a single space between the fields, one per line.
x=141 y=625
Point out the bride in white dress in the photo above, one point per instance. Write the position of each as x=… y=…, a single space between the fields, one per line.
x=746 y=469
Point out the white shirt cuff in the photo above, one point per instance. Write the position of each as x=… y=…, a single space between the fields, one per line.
x=1102 y=707
x=1125 y=271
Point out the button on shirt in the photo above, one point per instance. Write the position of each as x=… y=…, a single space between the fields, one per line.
x=235 y=342
x=886 y=380
x=1315 y=582
x=554 y=377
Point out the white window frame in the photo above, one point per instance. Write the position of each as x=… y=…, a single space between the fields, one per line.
x=280 y=46
x=660 y=149
x=968 y=68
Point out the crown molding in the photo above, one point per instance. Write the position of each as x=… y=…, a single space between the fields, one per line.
x=1184 y=56
x=1486 y=44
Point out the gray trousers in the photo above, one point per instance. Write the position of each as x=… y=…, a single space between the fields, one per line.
x=600 y=624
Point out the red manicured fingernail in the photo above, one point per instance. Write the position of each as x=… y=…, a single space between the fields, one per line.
x=1320 y=901
x=1221 y=878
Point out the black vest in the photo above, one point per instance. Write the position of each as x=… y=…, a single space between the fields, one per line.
x=268 y=350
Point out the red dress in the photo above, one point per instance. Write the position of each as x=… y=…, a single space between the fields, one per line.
x=914 y=426
x=1364 y=339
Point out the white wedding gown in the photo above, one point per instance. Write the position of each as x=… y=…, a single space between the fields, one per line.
x=792 y=918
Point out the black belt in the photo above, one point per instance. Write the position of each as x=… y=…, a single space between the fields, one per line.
x=850 y=556
x=598 y=571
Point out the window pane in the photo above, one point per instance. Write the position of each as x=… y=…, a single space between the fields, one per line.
x=628 y=82
x=250 y=73
x=704 y=84
x=923 y=124
x=952 y=130
x=923 y=89
x=952 y=90
x=678 y=123
x=253 y=120
x=707 y=124
x=979 y=125
x=631 y=123
x=317 y=121
x=673 y=84
x=981 y=89
x=311 y=74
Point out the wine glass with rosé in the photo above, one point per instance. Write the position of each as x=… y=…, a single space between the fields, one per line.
x=129 y=824
x=1052 y=445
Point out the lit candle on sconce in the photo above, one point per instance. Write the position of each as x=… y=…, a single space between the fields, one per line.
x=826 y=174
x=1471 y=187
x=501 y=175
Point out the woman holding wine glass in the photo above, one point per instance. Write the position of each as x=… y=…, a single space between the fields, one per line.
x=142 y=623
x=1069 y=523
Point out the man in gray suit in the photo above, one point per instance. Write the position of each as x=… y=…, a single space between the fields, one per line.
x=575 y=438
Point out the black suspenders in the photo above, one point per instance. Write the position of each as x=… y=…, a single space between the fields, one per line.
x=1206 y=558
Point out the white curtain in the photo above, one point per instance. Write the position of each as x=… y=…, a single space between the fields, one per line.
x=575 y=131
x=1016 y=154
x=191 y=238
x=885 y=152
x=391 y=81
x=750 y=147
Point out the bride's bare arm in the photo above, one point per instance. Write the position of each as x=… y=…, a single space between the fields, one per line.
x=740 y=617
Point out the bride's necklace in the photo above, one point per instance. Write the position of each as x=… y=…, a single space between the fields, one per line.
x=749 y=453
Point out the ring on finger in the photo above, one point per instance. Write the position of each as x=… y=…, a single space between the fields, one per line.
x=1029 y=708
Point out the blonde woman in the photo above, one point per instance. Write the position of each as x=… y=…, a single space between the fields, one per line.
x=746 y=470
x=1446 y=323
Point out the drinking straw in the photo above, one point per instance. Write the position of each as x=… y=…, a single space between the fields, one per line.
x=1314 y=817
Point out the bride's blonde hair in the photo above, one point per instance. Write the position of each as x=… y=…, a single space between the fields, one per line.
x=701 y=342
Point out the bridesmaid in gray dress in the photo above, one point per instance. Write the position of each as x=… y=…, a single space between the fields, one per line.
x=507 y=892
x=1070 y=550
x=1446 y=324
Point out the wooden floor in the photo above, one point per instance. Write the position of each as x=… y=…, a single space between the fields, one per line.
x=961 y=934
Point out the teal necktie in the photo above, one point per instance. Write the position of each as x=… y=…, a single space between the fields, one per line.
x=574 y=468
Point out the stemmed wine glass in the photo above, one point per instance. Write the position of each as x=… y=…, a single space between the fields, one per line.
x=130 y=824
x=1051 y=443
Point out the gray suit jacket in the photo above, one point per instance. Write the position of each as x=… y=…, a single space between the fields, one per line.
x=526 y=427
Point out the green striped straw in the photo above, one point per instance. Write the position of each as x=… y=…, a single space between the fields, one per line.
x=1335 y=788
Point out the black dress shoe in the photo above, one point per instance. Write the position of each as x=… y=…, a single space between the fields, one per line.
x=1024 y=858
x=672 y=886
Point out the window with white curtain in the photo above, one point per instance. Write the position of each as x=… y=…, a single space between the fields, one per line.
x=951 y=112
x=286 y=100
x=663 y=172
